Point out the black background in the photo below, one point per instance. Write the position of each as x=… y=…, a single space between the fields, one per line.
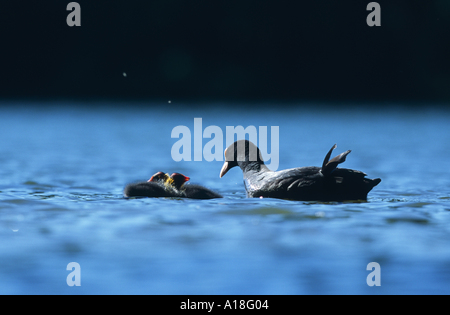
x=233 y=50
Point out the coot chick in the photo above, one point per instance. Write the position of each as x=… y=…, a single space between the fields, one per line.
x=159 y=185
x=147 y=189
x=192 y=191
x=174 y=181
x=163 y=185
x=326 y=183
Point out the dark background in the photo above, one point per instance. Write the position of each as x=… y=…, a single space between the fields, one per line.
x=233 y=50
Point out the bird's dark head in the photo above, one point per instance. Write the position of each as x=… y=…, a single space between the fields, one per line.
x=178 y=180
x=242 y=153
x=159 y=177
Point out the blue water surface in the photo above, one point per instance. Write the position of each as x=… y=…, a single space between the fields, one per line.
x=63 y=168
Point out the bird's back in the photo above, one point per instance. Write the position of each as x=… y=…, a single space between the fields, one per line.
x=194 y=191
x=148 y=189
x=308 y=183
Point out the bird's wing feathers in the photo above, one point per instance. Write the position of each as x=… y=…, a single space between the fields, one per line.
x=329 y=166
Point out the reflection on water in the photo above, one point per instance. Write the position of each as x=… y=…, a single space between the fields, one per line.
x=62 y=172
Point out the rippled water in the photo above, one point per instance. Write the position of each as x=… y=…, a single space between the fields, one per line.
x=63 y=169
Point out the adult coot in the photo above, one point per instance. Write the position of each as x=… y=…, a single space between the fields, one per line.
x=326 y=183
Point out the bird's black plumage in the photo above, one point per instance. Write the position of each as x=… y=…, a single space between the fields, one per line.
x=149 y=189
x=194 y=191
x=163 y=185
x=326 y=183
